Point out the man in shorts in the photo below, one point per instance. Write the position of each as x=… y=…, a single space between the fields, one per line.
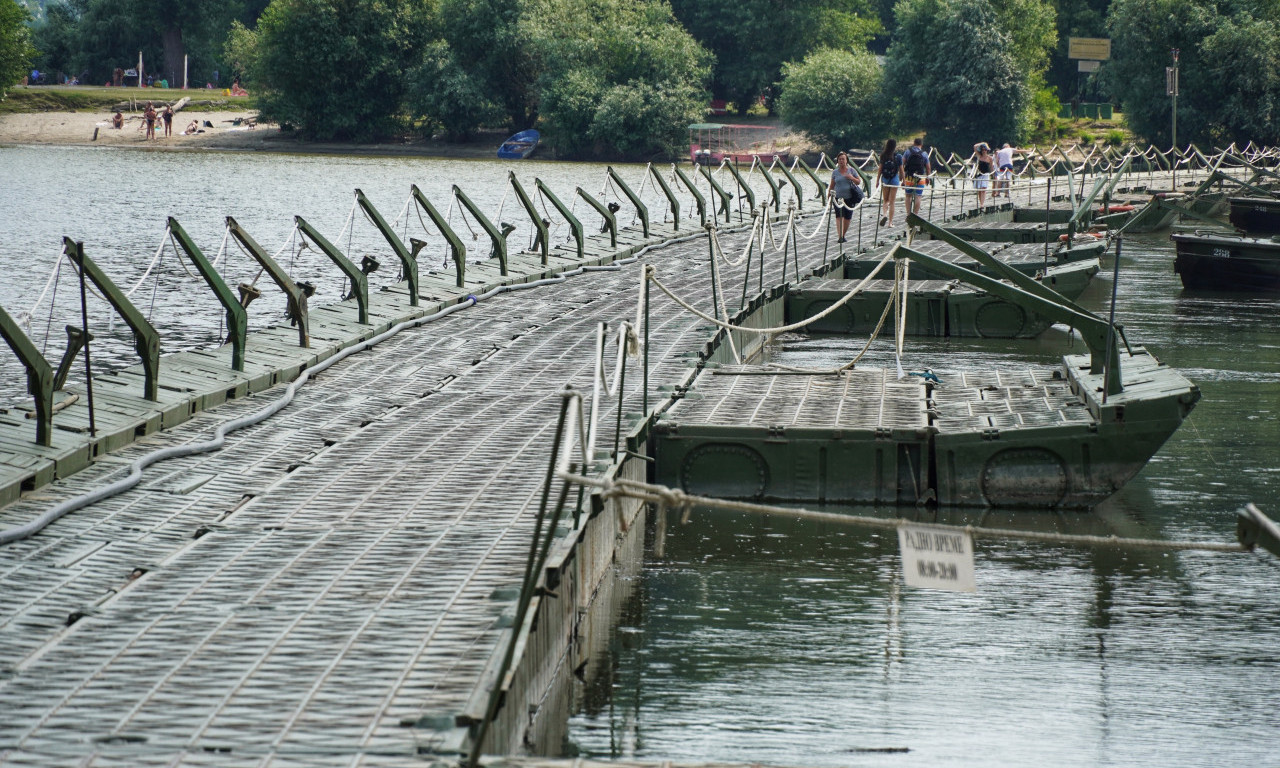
x=915 y=169
x=1004 y=169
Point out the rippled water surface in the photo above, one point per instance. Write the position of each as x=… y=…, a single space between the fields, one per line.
x=796 y=643
x=117 y=201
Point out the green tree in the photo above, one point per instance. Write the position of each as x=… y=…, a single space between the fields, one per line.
x=954 y=69
x=751 y=39
x=16 y=51
x=334 y=69
x=440 y=91
x=837 y=98
x=1229 y=74
x=489 y=43
x=1243 y=60
x=1143 y=32
x=615 y=76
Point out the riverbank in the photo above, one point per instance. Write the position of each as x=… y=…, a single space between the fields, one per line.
x=218 y=130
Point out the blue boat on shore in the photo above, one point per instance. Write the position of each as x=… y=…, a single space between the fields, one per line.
x=519 y=146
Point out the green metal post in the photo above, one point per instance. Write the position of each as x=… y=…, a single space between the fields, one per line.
x=408 y=264
x=610 y=221
x=742 y=185
x=296 y=299
x=458 y=250
x=498 y=239
x=237 y=316
x=720 y=192
x=359 y=280
x=794 y=183
x=542 y=243
x=40 y=375
x=575 y=226
x=698 y=199
x=822 y=187
x=145 y=338
x=641 y=208
x=671 y=197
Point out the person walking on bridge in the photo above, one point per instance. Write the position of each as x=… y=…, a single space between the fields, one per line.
x=916 y=167
x=845 y=191
x=888 y=179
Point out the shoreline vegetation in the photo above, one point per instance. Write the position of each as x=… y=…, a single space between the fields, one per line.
x=81 y=116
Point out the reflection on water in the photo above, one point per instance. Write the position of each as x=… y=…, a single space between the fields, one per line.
x=796 y=643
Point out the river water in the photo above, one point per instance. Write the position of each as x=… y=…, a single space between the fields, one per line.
x=765 y=640
x=796 y=643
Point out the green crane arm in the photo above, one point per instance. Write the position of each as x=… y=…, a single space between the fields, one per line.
x=237 y=316
x=39 y=375
x=794 y=183
x=1005 y=271
x=671 y=197
x=641 y=208
x=720 y=192
x=574 y=224
x=698 y=199
x=742 y=185
x=145 y=339
x=408 y=264
x=499 y=239
x=296 y=300
x=359 y=280
x=542 y=242
x=610 y=221
x=455 y=243
x=1098 y=335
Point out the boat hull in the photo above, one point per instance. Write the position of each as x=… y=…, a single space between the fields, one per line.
x=1255 y=215
x=1222 y=263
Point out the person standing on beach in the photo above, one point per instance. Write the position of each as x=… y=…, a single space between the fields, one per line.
x=985 y=166
x=916 y=166
x=845 y=192
x=168 y=119
x=149 y=116
x=888 y=179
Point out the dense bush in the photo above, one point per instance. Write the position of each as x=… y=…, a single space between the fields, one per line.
x=16 y=51
x=335 y=68
x=837 y=98
x=955 y=70
x=617 y=77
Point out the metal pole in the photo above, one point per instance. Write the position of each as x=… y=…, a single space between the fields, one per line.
x=84 y=326
x=1048 y=201
x=645 y=400
x=1111 y=321
x=1174 y=89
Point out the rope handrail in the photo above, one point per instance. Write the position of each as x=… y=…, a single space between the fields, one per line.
x=676 y=498
x=651 y=275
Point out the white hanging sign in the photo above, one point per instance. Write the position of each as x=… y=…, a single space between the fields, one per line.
x=934 y=557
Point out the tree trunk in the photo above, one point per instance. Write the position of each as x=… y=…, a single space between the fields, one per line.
x=174 y=51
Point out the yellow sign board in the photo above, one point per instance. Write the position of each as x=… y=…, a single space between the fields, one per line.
x=1091 y=48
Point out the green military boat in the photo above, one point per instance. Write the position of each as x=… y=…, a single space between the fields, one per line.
x=1064 y=436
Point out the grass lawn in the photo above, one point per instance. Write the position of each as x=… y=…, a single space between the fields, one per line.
x=90 y=98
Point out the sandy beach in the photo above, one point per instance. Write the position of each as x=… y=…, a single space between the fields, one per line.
x=220 y=133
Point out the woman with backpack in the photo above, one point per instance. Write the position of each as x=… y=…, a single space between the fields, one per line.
x=845 y=191
x=890 y=177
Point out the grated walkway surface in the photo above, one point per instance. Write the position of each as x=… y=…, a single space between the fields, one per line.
x=337 y=574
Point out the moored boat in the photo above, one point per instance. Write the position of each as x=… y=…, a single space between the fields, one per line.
x=519 y=146
x=1223 y=262
x=1255 y=215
